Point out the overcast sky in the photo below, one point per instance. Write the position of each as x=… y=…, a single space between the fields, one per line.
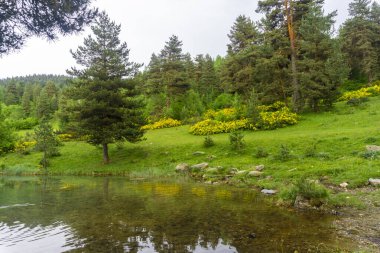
x=202 y=25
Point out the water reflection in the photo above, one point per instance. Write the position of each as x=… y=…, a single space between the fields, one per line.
x=117 y=215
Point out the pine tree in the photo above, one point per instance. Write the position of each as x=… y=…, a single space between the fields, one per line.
x=321 y=65
x=11 y=94
x=360 y=36
x=107 y=109
x=47 y=142
x=7 y=137
x=237 y=74
x=26 y=100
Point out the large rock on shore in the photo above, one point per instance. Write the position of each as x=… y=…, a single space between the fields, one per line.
x=255 y=173
x=375 y=182
x=200 y=166
x=182 y=168
x=373 y=148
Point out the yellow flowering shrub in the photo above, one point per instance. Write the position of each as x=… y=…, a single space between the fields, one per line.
x=65 y=137
x=227 y=114
x=271 y=117
x=210 y=126
x=277 y=119
x=362 y=93
x=163 y=123
x=23 y=146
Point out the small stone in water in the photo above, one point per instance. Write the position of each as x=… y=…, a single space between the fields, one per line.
x=269 y=192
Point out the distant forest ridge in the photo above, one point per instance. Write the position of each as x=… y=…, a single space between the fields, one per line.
x=42 y=79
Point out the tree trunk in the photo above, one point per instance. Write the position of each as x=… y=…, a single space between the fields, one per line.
x=106 y=158
x=292 y=38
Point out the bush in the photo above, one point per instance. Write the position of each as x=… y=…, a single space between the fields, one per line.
x=277 y=119
x=362 y=94
x=208 y=142
x=23 y=124
x=208 y=126
x=237 y=140
x=283 y=154
x=24 y=147
x=308 y=190
x=225 y=115
x=261 y=153
x=163 y=123
x=224 y=100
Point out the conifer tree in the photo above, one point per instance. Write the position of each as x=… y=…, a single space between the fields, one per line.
x=360 y=39
x=106 y=108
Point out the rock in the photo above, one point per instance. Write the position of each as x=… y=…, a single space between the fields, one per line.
x=211 y=157
x=212 y=170
x=233 y=171
x=269 y=192
x=200 y=166
x=343 y=185
x=373 y=148
x=260 y=167
x=374 y=182
x=241 y=172
x=182 y=167
x=255 y=173
x=199 y=153
x=301 y=203
x=252 y=236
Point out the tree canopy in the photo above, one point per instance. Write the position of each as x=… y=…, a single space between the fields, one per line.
x=20 y=19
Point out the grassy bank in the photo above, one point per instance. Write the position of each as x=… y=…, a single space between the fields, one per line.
x=328 y=146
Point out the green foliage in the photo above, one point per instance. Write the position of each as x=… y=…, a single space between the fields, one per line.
x=237 y=140
x=208 y=141
x=306 y=189
x=283 y=154
x=46 y=142
x=224 y=100
x=23 y=124
x=107 y=107
x=261 y=153
x=7 y=137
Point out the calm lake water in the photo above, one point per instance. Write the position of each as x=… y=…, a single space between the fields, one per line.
x=119 y=215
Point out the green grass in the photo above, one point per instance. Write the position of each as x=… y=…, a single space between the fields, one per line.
x=326 y=146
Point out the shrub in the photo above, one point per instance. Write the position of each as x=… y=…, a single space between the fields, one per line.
x=362 y=93
x=237 y=140
x=23 y=124
x=277 y=119
x=65 y=137
x=370 y=155
x=24 y=147
x=208 y=126
x=225 y=115
x=208 y=142
x=283 y=154
x=163 y=123
x=306 y=189
x=261 y=153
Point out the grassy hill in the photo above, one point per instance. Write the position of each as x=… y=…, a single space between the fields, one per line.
x=328 y=146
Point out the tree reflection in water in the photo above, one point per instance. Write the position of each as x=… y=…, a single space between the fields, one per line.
x=118 y=215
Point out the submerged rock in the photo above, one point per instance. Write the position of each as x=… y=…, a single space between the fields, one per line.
x=268 y=192
x=374 y=182
x=255 y=173
x=182 y=167
x=373 y=148
x=260 y=167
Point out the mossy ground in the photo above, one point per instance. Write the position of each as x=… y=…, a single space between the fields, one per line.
x=328 y=146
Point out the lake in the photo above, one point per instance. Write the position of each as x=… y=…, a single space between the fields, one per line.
x=86 y=214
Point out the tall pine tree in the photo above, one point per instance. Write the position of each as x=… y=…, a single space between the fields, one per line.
x=107 y=109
